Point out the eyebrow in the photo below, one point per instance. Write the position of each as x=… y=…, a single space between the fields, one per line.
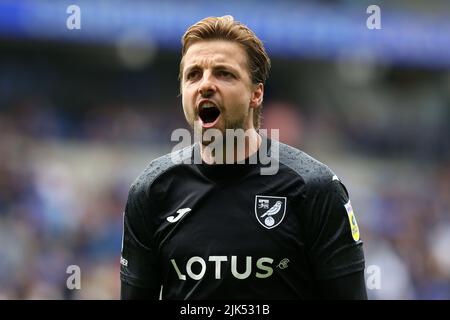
x=216 y=66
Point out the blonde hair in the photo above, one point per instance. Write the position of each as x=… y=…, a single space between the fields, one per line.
x=226 y=28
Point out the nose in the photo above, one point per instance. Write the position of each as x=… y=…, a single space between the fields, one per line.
x=207 y=86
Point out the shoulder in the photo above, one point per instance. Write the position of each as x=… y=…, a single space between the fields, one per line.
x=313 y=172
x=320 y=182
x=158 y=167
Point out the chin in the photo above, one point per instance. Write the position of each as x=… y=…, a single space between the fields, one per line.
x=212 y=136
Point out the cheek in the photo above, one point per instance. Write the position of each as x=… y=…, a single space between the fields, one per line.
x=185 y=98
x=187 y=95
x=188 y=107
x=241 y=101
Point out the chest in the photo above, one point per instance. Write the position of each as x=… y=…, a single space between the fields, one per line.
x=253 y=217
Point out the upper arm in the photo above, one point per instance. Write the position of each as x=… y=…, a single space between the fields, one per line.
x=333 y=238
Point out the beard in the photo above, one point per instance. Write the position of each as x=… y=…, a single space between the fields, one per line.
x=239 y=122
x=204 y=134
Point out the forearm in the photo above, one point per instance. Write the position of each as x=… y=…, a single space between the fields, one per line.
x=130 y=292
x=349 y=287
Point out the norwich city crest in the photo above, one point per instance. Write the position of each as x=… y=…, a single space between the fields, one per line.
x=270 y=211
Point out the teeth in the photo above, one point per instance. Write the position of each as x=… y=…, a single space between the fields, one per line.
x=208 y=105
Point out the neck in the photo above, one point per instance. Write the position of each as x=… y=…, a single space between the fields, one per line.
x=234 y=148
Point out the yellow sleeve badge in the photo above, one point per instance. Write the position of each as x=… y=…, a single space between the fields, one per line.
x=352 y=220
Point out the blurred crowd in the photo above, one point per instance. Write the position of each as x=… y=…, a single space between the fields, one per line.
x=48 y=221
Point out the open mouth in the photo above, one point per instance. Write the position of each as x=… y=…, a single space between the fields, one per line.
x=209 y=114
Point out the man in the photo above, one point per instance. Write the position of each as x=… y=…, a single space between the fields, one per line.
x=225 y=231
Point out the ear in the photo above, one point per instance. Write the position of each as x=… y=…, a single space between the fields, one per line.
x=257 y=95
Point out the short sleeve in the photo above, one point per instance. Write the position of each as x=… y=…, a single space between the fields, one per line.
x=335 y=245
x=138 y=262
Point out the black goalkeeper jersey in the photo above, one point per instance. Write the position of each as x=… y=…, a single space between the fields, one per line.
x=228 y=232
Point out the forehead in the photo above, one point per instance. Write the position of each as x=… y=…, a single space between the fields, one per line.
x=210 y=52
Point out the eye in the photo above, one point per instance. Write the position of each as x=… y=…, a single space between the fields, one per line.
x=192 y=75
x=225 y=74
